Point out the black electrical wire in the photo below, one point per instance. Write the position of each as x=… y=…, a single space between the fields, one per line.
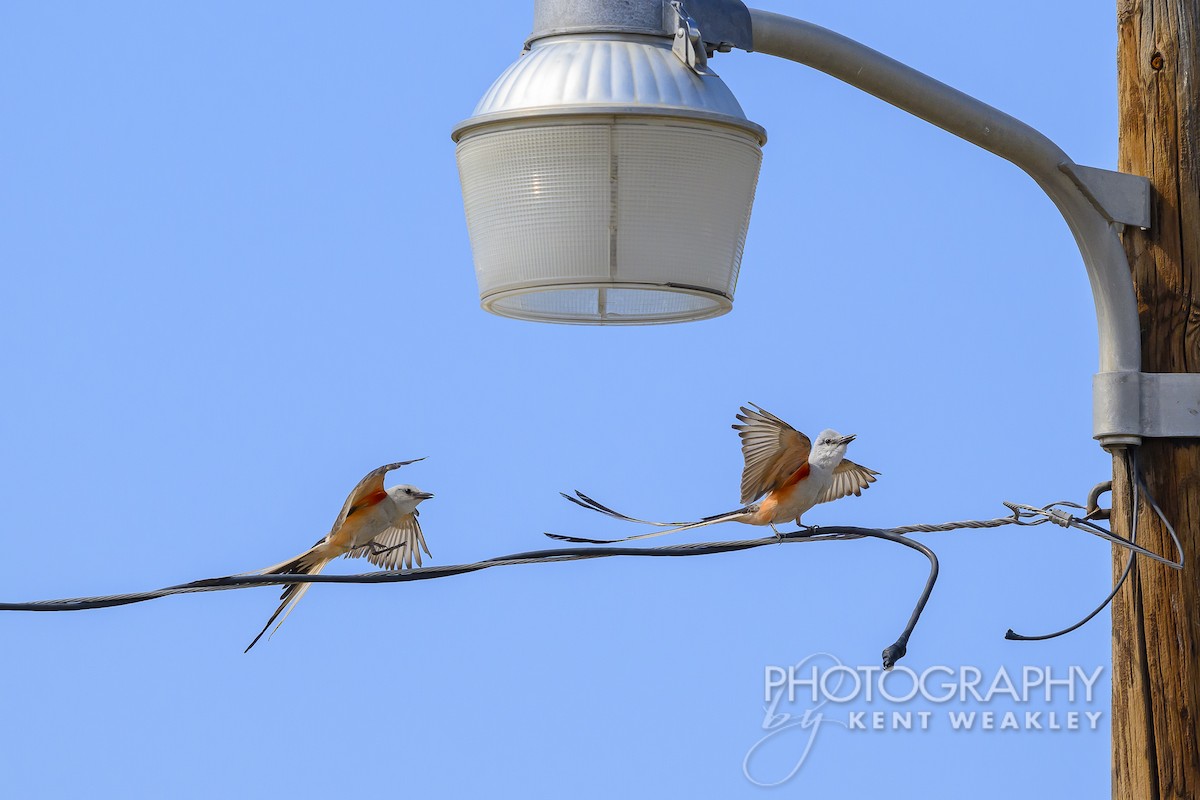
x=833 y=533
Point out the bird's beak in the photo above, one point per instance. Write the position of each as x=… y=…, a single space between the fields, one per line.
x=424 y=495
x=847 y=439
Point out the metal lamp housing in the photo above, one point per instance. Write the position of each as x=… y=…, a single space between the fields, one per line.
x=607 y=182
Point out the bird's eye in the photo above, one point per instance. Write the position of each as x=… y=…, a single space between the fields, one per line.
x=408 y=491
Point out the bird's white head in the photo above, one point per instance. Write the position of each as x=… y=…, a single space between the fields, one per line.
x=407 y=497
x=829 y=449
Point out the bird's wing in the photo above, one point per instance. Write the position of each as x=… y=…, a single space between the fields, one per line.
x=399 y=545
x=773 y=451
x=369 y=491
x=848 y=478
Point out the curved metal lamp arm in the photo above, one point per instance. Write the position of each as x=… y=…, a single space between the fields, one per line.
x=1094 y=202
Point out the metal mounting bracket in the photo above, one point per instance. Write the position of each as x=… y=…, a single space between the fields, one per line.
x=724 y=24
x=689 y=42
x=1118 y=196
x=1131 y=405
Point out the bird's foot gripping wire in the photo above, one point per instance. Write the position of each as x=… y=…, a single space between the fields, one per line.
x=778 y=535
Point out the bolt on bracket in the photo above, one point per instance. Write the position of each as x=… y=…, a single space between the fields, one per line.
x=689 y=42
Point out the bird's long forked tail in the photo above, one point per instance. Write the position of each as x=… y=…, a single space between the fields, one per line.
x=581 y=499
x=308 y=563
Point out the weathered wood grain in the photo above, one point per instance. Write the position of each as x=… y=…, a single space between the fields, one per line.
x=1156 y=617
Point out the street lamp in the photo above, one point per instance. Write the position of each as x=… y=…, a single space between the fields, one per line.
x=608 y=176
x=606 y=181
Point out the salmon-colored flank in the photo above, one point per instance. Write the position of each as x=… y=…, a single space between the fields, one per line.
x=377 y=497
x=766 y=509
x=797 y=476
x=366 y=501
x=780 y=494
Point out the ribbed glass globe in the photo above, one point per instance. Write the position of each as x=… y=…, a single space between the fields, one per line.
x=605 y=182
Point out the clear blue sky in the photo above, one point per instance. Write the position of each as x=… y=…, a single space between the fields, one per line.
x=237 y=277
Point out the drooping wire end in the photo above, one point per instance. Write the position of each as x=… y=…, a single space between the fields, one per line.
x=1137 y=485
x=895 y=652
x=1013 y=636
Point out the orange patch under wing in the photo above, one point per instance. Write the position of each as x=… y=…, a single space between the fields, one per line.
x=781 y=494
x=366 y=501
x=797 y=476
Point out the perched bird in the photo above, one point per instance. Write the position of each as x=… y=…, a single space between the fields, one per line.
x=378 y=523
x=783 y=467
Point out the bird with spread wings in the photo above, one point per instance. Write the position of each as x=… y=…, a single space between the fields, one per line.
x=380 y=524
x=785 y=475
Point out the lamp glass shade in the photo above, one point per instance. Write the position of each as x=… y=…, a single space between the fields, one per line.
x=576 y=221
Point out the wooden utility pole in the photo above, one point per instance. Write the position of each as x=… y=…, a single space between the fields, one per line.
x=1156 y=616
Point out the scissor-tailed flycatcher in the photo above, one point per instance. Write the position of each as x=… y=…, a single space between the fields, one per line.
x=783 y=467
x=378 y=523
